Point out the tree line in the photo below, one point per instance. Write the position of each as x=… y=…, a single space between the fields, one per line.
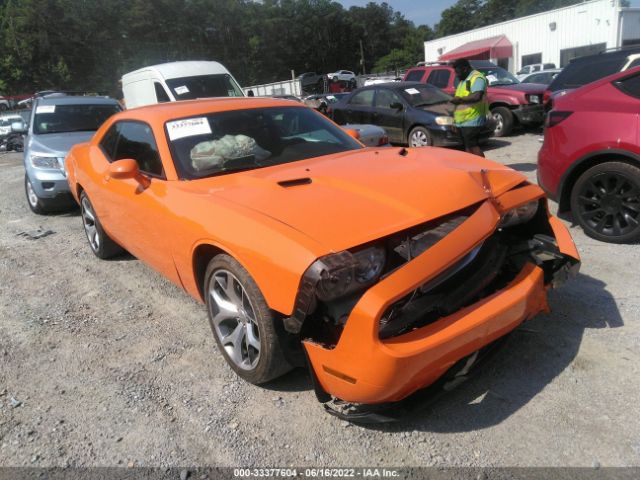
x=89 y=44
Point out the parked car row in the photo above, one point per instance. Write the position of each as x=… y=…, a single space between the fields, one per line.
x=510 y=101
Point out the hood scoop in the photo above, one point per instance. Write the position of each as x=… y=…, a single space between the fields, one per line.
x=295 y=182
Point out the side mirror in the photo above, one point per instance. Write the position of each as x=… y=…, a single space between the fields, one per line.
x=128 y=168
x=352 y=133
x=125 y=168
x=396 y=106
x=18 y=127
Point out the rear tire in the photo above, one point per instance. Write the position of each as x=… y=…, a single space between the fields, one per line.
x=420 y=137
x=243 y=325
x=605 y=200
x=100 y=243
x=504 y=121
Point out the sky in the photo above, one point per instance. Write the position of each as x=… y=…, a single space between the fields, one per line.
x=421 y=12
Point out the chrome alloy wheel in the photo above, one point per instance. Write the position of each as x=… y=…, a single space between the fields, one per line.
x=31 y=195
x=419 y=139
x=89 y=223
x=234 y=319
x=498 y=122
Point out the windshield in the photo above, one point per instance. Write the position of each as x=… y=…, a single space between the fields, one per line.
x=71 y=118
x=423 y=95
x=225 y=142
x=498 y=76
x=204 y=86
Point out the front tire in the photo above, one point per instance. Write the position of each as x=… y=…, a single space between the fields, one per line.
x=420 y=137
x=36 y=204
x=504 y=121
x=101 y=244
x=242 y=322
x=605 y=201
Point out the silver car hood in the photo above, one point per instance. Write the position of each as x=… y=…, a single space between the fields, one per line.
x=57 y=144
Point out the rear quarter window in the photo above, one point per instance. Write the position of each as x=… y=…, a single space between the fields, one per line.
x=629 y=85
x=414 y=76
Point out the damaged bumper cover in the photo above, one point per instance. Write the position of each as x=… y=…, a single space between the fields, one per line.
x=363 y=368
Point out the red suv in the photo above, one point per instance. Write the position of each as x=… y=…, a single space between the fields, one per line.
x=510 y=101
x=590 y=159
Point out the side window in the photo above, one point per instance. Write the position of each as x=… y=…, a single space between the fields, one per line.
x=414 y=76
x=161 y=94
x=137 y=142
x=439 y=78
x=629 y=85
x=109 y=141
x=384 y=98
x=363 y=98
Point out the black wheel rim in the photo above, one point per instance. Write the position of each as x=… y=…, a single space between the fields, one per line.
x=609 y=204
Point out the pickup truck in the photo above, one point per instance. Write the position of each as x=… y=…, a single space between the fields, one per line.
x=510 y=101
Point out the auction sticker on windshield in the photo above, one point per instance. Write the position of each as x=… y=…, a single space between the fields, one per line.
x=46 y=109
x=188 y=128
x=492 y=78
x=412 y=91
x=182 y=90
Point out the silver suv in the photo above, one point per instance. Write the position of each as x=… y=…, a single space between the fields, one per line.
x=58 y=122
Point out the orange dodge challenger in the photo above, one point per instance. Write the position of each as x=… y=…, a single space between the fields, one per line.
x=381 y=269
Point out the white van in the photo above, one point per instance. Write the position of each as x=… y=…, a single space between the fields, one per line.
x=173 y=81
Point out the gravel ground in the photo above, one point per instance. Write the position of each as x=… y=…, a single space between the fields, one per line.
x=104 y=363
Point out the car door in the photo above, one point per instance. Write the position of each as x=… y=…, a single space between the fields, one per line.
x=388 y=117
x=359 y=107
x=133 y=209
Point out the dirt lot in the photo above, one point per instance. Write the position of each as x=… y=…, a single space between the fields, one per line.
x=105 y=363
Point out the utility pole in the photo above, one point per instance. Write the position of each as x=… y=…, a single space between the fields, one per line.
x=362 y=58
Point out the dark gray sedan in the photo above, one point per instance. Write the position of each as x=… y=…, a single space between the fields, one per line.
x=412 y=113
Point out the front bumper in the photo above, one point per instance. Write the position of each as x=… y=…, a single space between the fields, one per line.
x=49 y=184
x=364 y=369
x=530 y=114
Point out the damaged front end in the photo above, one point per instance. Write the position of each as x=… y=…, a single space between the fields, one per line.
x=338 y=290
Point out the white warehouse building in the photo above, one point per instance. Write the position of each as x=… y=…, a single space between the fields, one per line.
x=556 y=36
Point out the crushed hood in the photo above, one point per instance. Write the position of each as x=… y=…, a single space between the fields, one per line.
x=350 y=199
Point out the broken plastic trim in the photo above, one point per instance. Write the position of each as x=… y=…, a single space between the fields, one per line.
x=395 y=411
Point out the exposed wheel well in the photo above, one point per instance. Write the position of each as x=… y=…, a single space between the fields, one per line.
x=201 y=258
x=500 y=104
x=583 y=166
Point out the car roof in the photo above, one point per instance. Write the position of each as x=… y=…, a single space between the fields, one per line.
x=583 y=70
x=76 y=100
x=163 y=112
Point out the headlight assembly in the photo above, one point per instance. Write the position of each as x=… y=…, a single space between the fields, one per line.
x=345 y=272
x=39 y=161
x=533 y=98
x=518 y=215
x=444 y=120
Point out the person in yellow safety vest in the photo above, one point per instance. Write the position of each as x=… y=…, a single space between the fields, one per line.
x=470 y=114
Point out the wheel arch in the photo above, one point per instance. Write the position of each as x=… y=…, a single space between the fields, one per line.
x=570 y=177
x=200 y=259
x=500 y=104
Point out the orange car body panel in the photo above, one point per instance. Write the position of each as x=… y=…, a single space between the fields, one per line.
x=412 y=361
x=276 y=234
